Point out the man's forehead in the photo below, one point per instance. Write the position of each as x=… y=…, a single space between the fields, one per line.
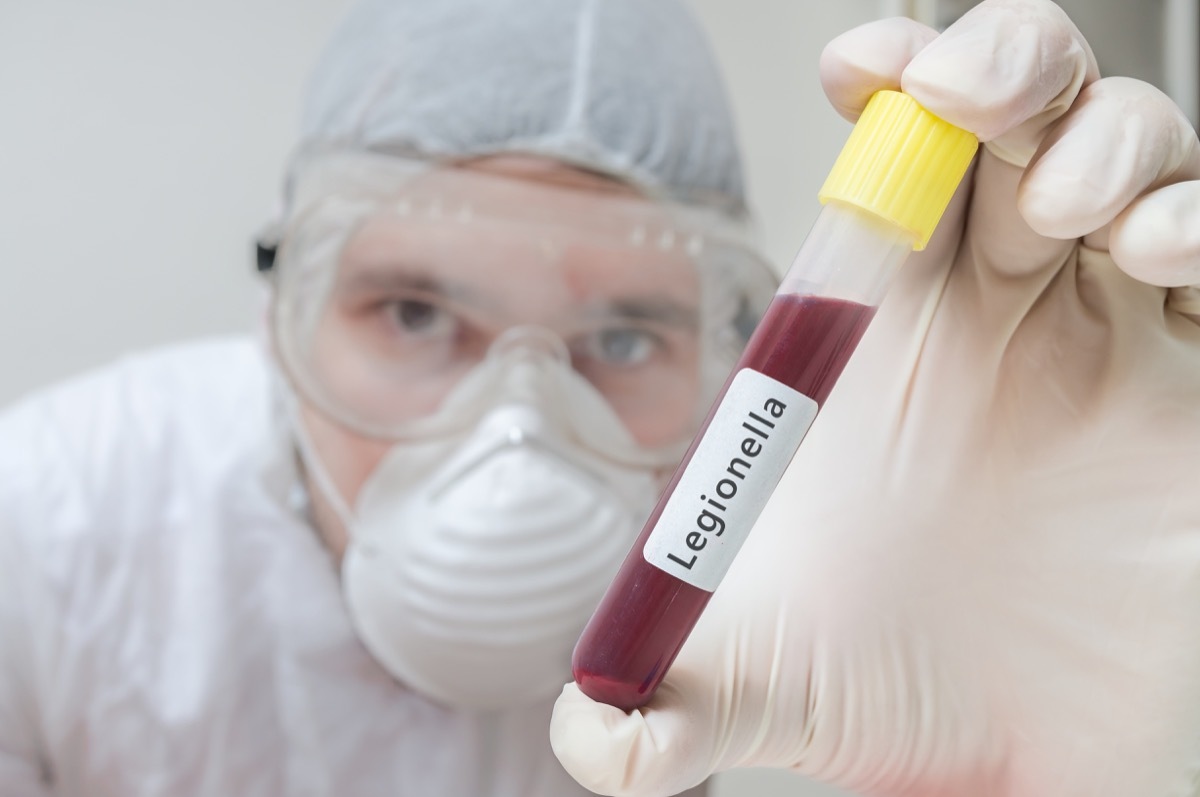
x=553 y=195
x=492 y=252
x=547 y=171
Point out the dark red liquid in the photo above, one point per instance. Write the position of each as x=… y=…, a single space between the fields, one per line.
x=646 y=615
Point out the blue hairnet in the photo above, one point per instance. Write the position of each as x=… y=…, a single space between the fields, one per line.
x=629 y=88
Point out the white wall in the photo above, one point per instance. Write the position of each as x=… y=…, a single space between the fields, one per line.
x=140 y=144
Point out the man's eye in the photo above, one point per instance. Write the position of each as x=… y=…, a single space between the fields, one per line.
x=625 y=346
x=420 y=318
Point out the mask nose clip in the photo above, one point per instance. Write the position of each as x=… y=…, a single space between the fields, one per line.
x=527 y=341
x=533 y=361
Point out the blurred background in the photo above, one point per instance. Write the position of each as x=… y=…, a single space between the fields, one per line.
x=141 y=145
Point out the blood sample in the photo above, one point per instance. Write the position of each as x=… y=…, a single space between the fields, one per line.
x=883 y=198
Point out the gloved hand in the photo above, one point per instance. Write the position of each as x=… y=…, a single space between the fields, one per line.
x=981 y=574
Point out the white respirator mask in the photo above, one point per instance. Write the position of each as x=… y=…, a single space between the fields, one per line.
x=473 y=563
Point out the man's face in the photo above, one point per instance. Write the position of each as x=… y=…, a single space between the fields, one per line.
x=417 y=301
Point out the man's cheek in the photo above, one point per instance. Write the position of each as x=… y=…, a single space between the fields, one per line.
x=348 y=458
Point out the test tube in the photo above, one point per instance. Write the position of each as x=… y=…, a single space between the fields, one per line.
x=882 y=199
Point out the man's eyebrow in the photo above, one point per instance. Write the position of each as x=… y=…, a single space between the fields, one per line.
x=658 y=310
x=367 y=279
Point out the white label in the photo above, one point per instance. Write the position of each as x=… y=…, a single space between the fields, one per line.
x=738 y=463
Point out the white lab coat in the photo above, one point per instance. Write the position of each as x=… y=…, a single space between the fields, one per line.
x=171 y=626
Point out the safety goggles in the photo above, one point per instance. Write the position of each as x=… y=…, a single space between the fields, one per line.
x=409 y=299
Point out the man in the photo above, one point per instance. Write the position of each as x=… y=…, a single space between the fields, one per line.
x=353 y=558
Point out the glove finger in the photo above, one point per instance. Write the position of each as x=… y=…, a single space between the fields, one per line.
x=736 y=696
x=1005 y=70
x=870 y=58
x=648 y=752
x=1157 y=240
x=1121 y=139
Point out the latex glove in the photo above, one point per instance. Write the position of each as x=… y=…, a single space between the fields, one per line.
x=981 y=574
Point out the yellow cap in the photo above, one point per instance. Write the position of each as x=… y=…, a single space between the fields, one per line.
x=901 y=163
